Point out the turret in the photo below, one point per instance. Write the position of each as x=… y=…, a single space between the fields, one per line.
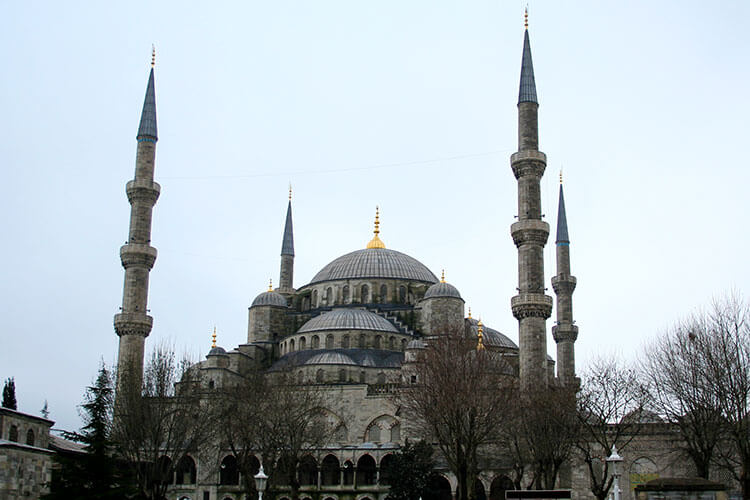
x=531 y=307
x=564 y=332
x=286 y=278
x=133 y=324
x=441 y=309
x=266 y=317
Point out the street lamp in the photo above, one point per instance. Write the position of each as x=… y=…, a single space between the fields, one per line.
x=260 y=482
x=615 y=459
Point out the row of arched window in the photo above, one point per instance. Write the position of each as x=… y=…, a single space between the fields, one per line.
x=347 y=342
x=330 y=296
x=13 y=435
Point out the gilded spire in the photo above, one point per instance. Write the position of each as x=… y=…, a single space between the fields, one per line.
x=290 y=191
x=213 y=338
x=469 y=312
x=153 y=55
x=270 y=285
x=442 y=277
x=376 y=242
x=561 y=176
x=526 y=17
x=480 y=335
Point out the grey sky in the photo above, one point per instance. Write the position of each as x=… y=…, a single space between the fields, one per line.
x=407 y=104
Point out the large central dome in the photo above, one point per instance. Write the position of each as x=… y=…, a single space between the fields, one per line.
x=375 y=263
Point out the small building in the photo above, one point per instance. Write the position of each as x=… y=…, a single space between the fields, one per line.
x=25 y=457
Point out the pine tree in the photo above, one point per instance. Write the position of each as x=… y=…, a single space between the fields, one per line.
x=96 y=473
x=9 y=394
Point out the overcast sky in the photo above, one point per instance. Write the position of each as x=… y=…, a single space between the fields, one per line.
x=410 y=105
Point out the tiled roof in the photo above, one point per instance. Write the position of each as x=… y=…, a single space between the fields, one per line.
x=348 y=319
x=375 y=263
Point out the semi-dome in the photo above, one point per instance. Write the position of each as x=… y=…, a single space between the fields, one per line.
x=375 y=263
x=269 y=299
x=348 y=319
x=330 y=358
x=217 y=351
x=442 y=289
x=491 y=337
x=416 y=344
x=366 y=358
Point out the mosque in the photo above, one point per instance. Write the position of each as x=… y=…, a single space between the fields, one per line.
x=355 y=327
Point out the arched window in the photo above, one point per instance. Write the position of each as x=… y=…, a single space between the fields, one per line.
x=381 y=378
x=330 y=474
x=329 y=296
x=362 y=377
x=302 y=344
x=186 y=473
x=308 y=471
x=319 y=375
x=377 y=342
x=362 y=341
x=386 y=466
x=383 y=294
x=228 y=471
x=315 y=342
x=291 y=345
x=315 y=299
x=365 y=294
x=306 y=304
x=329 y=341
x=373 y=433
x=392 y=343
x=396 y=433
x=402 y=294
x=30 y=437
x=342 y=375
x=13 y=434
x=345 y=342
x=345 y=294
x=366 y=471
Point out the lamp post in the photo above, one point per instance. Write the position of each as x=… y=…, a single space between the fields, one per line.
x=615 y=459
x=260 y=482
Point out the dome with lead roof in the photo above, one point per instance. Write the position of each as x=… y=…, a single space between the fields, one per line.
x=442 y=289
x=380 y=263
x=348 y=319
x=269 y=299
x=491 y=337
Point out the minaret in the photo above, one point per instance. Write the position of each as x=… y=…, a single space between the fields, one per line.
x=565 y=332
x=531 y=306
x=132 y=324
x=287 y=253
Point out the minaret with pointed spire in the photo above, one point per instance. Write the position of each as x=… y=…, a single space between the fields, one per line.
x=531 y=307
x=286 y=275
x=564 y=332
x=133 y=324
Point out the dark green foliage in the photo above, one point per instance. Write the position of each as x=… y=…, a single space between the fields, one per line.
x=409 y=472
x=9 y=394
x=94 y=474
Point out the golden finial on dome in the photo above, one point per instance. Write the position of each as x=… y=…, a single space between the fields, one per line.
x=442 y=277
x=153 y=55
x=470 y=313
x=526 y=18
x=270 y=285
x=480 y=335
x=561 y=176
x=213 y=338
x=376 y=242
x=290 y=191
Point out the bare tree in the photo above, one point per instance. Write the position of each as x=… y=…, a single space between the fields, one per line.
x=276 y=419
x=159 y=424
x=611 y=411
x=462 y=400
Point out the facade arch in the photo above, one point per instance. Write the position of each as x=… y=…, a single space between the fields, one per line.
x=13 y=433
x=348 y=474
x=308 y=471
x=362 y=341
x=330 y=471
x=386 y=465
x=30 y=437
x=392 y=343
x=229 y=473
x=186 y=471
x=383 y=294
x=367 y=471
x=345 y=294
x=441 y=487
x=329 y=296
x=164 y=470
x=329 y=341
x=319 y=375
x=315 y=342
x=402 y=294
x=365 y=294
x=377 y=342
x=345 y=341
x=500 y=484
x=314 y=299
x=291 y=345
x=302 y=343
x=381 y=429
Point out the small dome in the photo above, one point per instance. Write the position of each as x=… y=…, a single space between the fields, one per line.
x=217 y=351
x=269 y=299
x=491 y=337
x=416 y=344
x=442 y=289
x=348 y=319
x=330 y=358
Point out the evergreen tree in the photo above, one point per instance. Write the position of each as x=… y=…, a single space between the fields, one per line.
x=95 y=473
x=9 y=394
x=409 y=472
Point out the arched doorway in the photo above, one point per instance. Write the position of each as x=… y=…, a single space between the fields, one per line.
x=499 y=486
x=366 y=471
x=228 y=471
x=330 y=471
x=186 y=472
x=308 y=471
x=386 y=463
x=438 y=488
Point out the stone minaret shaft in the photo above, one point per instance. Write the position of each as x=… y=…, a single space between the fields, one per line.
x=286 y=278
x=531 y=306
x=565 y=332
x=133 y=324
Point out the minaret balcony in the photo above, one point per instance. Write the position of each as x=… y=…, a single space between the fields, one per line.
x=529 y=231
x=564 y=283
x=133 y=323
x=531 y=305
x=528 y=163
x=565 y=332
x=142 y=190
x=137 y=254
